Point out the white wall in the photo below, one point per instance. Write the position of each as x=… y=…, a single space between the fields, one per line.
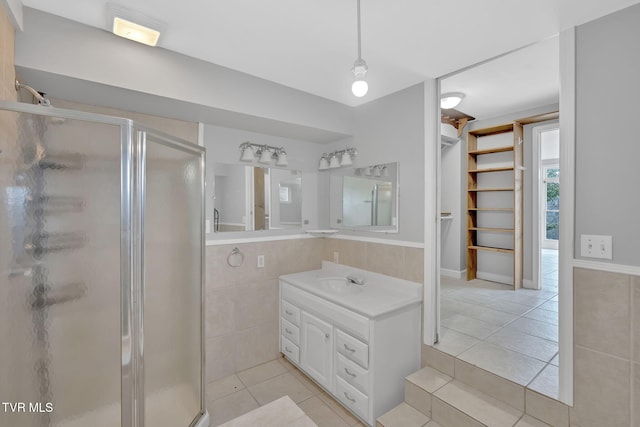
x=222 y=146
x=73 y=54
x=607 y=147
x=390 y=129
x=452 y=237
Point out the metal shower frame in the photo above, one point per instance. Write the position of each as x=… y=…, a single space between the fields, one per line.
x=133 y=140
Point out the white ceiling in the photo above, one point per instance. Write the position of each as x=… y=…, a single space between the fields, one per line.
x=311 y=45
x=521 y=80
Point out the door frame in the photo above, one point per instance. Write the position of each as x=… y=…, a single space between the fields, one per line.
x=432 y=238
x=536 y=201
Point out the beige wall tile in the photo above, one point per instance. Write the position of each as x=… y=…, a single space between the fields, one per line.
x=255 y=304
x=220 y=357
x=546 y=409
x=329 y=247
x=601 y=307
x=256 y=345
x=635 y=318
x=353 y=253
x=601 y=391
x=220 y=311
x=385 y=259
x=414 y=264
x=491 y=384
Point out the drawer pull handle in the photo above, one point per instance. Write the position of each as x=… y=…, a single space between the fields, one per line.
x=288 y=312
x=351 y=374
x=352 y=350
x=349 y=398
x=287 y=349
x=287 y=331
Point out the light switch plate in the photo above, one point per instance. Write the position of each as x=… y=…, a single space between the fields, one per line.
x=596 y=246
x=260 y=261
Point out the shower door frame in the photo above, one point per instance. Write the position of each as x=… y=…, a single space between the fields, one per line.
x=132 y=204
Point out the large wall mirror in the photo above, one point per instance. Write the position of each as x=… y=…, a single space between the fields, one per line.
x=365 y=198
x=250 y=198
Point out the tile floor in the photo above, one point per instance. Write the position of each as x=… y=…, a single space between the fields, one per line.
x=513 y=334
x=245 y=391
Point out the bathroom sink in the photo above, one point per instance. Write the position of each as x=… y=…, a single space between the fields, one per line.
x=339 y=285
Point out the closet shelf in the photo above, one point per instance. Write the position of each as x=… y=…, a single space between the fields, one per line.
x=490 y=189
x=492 y=150
x=500 y=169
x=491 y=249
x=497 y=230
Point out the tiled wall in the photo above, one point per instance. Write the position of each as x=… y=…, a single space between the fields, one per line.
x=242 y=302
x=7 y=70
x=396 y=261
x=606 y=349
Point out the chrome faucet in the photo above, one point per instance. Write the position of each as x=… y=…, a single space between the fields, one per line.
x=354 y=280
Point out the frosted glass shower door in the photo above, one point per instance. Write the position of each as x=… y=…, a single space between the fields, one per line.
x=172 y=292
x=60 y=336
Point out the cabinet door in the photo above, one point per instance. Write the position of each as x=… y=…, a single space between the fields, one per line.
x=317 y=349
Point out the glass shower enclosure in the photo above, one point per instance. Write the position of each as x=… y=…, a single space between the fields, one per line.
x=101 y=272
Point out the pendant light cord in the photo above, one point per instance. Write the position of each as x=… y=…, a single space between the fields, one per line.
x=359 y=34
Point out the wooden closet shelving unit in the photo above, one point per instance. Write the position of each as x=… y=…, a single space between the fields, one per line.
x=474 y=152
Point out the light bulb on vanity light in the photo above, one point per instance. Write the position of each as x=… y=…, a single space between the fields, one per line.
x=324 y=163
x=265 y=157
x=282 y=158
x=346 y=159
x=334 y=162
x=247 y=154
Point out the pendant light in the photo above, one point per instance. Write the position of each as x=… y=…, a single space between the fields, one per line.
x=359 y=86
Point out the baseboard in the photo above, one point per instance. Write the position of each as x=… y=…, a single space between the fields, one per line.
x=492 y=277
x=528 y=284
x=454 y=274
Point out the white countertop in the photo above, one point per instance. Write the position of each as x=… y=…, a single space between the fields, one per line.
x=379 y=295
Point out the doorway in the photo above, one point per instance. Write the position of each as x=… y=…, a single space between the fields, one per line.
x=546 y=160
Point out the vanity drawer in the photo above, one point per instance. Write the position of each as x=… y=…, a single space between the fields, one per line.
x=290 y=331
x=353 y=349
x=290 y=350
x=353 y=374
x=352 y=398
x=290 y=312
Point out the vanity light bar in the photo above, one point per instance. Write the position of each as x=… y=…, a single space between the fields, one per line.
x=337 y=159
x=265 y=153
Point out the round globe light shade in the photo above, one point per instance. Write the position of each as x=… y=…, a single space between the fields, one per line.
x=359 y=88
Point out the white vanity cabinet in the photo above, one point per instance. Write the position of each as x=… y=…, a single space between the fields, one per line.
x=317 y=348
x=359 y=356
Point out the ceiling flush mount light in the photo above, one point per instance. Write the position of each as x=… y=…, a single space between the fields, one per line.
x=337 y=159
x=359 y=86
x=451 y=100
x=133 y=25
x=264 y=153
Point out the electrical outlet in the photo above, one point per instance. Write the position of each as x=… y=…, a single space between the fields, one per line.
x=260 y=261
x=594 y=246
x=336 y=257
